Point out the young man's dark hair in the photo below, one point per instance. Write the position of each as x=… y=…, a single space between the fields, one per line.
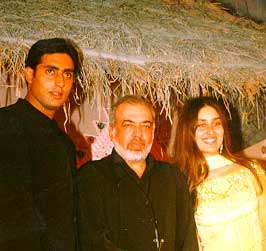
x=53 y=45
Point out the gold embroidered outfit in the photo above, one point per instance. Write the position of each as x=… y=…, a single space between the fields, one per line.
x=227 y=213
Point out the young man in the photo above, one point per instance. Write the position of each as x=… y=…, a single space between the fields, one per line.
x=37 y=160
x=128 y=200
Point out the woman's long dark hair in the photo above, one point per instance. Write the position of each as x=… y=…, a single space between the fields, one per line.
x=187 y=155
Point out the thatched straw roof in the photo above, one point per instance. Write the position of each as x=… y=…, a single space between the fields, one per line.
x=152 y=47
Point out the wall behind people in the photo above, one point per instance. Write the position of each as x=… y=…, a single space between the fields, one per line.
x=255 y=10
x=87 y=127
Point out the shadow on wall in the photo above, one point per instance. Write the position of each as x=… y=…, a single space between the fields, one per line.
x=235 y=129
x=255 y=150
x=254 y=9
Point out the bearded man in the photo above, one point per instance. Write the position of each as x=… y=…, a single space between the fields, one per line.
x=128 y=200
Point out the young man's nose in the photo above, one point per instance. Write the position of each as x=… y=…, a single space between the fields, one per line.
x=59 y=79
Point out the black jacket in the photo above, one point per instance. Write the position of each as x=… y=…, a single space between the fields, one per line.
x=37 y=182
x=119 y=211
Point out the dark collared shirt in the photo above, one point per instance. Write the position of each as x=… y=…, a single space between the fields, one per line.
x=37 y=182
x=119 y=211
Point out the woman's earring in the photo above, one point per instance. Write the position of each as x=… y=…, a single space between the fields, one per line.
x=221 y=149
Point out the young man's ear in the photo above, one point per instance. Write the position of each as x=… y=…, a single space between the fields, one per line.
x=110 y=130
x=29 y=75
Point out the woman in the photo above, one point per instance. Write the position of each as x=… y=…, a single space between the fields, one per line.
x=226 y=189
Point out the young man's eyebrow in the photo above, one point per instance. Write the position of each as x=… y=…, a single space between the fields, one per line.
x=51 y=66
x=56 y=68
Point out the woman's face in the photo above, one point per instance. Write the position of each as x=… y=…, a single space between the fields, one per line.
x=209 y=132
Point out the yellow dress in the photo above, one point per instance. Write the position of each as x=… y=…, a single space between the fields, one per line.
x=227 y=213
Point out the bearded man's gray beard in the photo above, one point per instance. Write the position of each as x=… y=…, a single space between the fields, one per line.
x=129 y=155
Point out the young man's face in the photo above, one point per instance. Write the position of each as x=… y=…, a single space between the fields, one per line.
x=50 y=84
x=133 y=131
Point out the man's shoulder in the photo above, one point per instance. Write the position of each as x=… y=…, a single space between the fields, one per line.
x=8 y=109
x=9 y=117
x=163 y=165
x=98 y=166
x=168 y=168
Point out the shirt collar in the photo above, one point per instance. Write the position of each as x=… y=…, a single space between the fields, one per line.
x=34 y=116
x=122 y=168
